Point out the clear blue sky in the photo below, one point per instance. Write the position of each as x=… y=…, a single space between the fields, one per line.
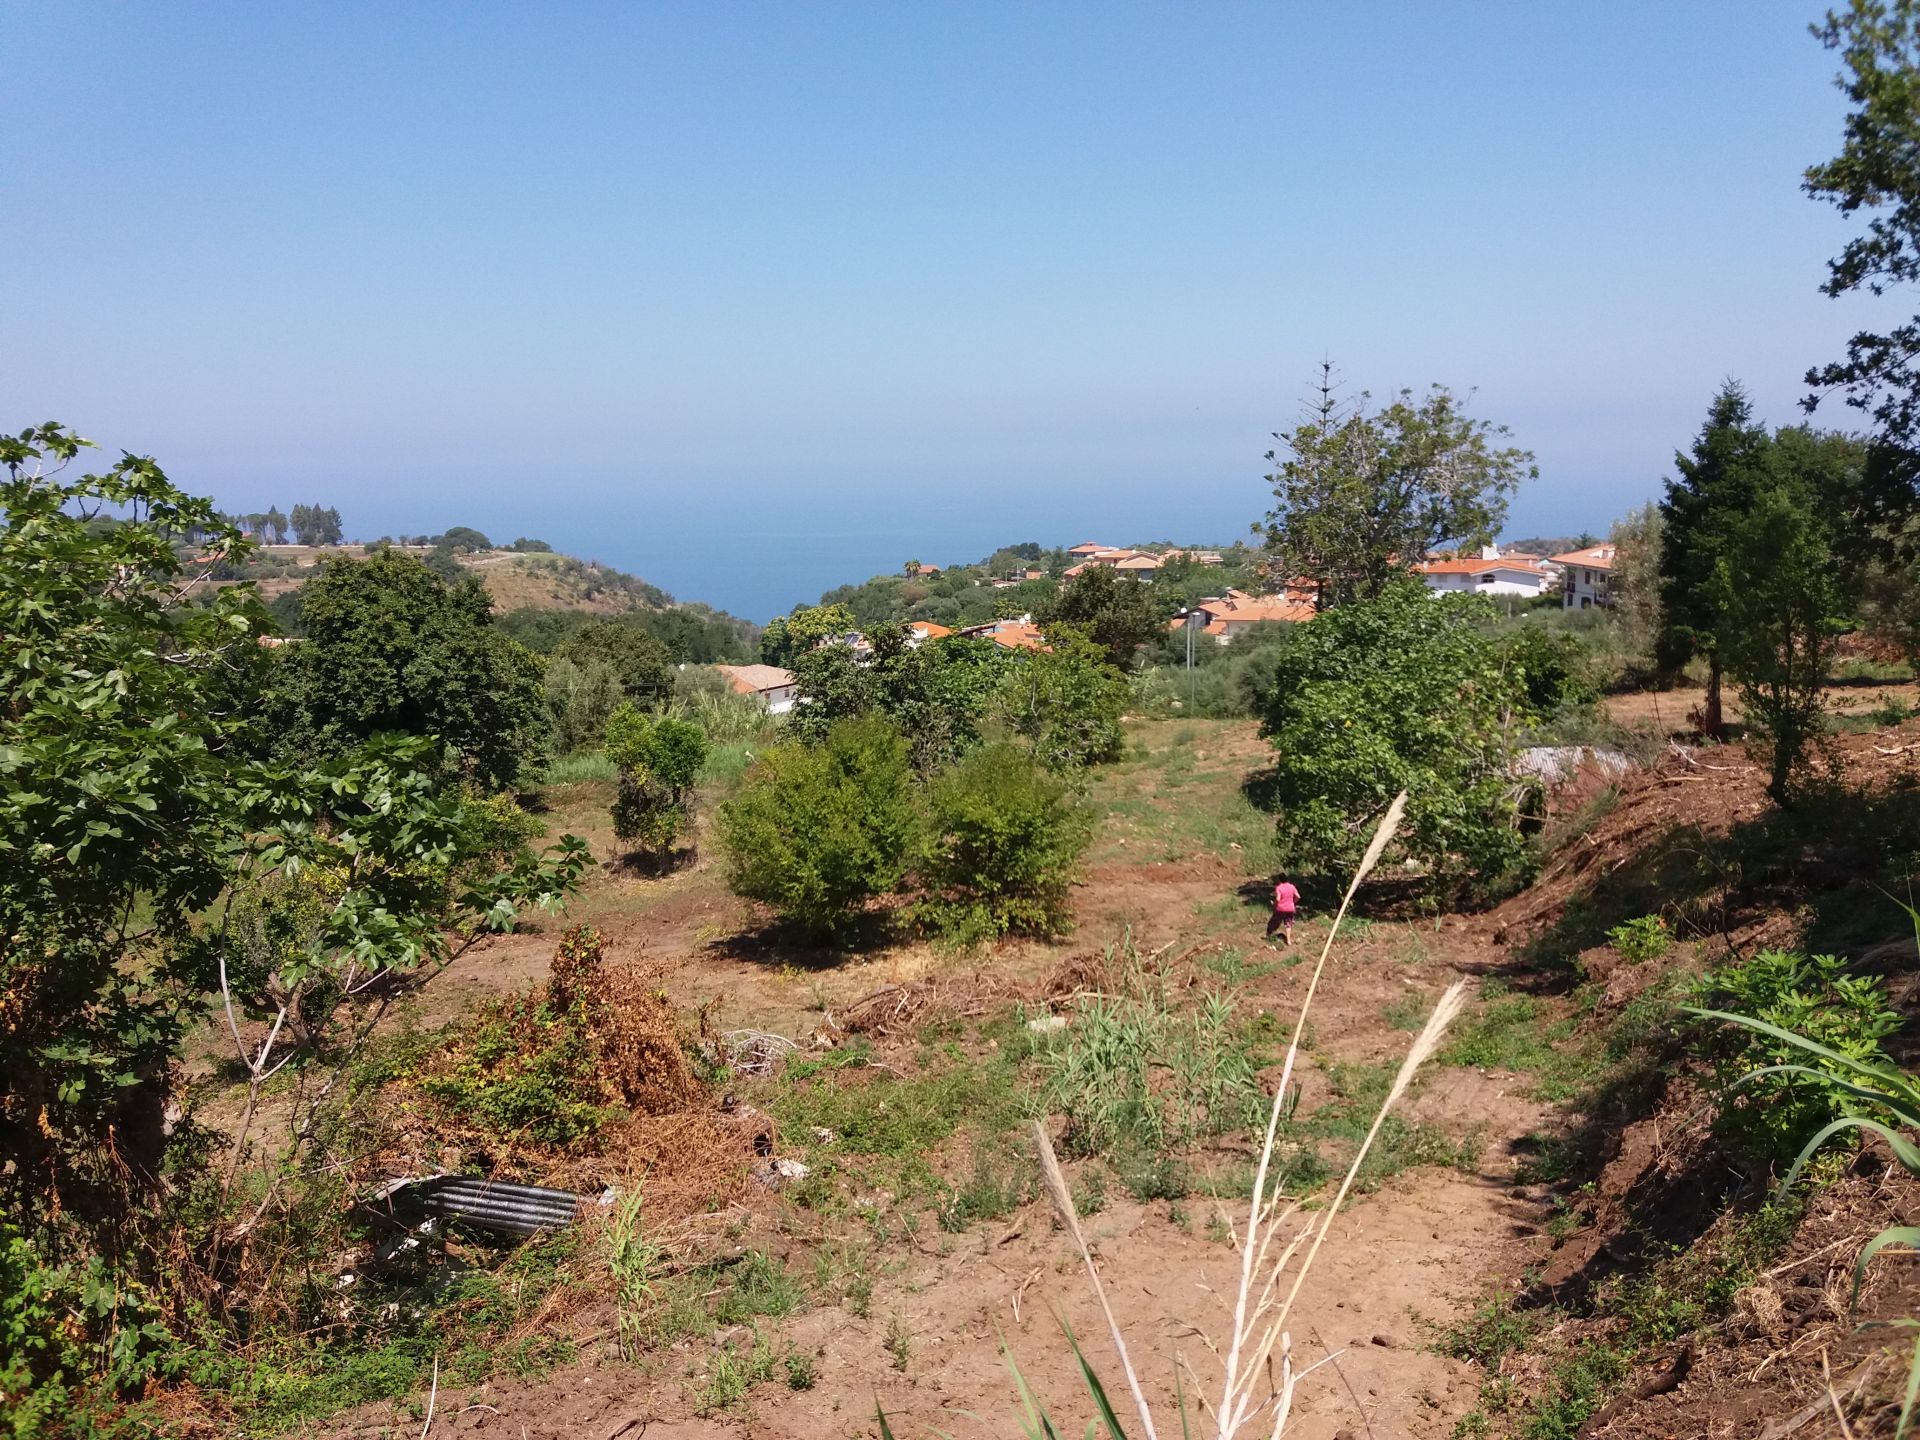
x=755 y=299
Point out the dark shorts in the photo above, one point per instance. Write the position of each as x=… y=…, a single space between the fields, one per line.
x=1280 y=918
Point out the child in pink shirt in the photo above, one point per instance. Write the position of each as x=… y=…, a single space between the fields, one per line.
x=1286 y=900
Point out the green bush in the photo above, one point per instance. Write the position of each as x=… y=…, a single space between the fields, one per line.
x=72 y=1336
x=1770 y=1117
x=1640 y=939
x=817 y=832
x=1005 y=845
x=1405 y=692
x=658 y=758
x=580 y=697
x=527 y=1066
x=1137 y=1082
x=1067 y=700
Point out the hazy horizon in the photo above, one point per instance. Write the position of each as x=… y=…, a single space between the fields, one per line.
x=760 y=301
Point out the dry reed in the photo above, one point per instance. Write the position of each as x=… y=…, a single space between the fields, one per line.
x=1259 y=1336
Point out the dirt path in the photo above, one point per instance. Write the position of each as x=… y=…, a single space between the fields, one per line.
x=1415 y=1255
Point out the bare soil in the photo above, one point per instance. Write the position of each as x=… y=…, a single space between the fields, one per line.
x=1404 y=1262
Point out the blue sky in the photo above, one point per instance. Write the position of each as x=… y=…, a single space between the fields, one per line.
x=756 y=299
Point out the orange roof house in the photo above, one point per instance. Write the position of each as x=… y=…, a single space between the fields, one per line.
x=1594 y=557
x=1236 y=613
x=1021 y=634
x=1586 y=577
x=769 y=684
x=1488 y=573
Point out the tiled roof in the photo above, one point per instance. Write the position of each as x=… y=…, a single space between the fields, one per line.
x=1019 y=635
x=753 y=679
x=927 y=630
x=1478 y=566
x=1594 y=557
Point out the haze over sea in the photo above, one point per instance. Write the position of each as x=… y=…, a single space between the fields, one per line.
x=757 y=299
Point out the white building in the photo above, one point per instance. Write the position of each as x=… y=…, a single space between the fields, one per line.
x=1587 y=577
x=773 y=687
x=1491 y=573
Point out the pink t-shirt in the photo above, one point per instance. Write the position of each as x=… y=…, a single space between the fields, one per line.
x=1285 y=898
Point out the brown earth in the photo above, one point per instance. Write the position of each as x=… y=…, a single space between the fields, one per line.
x=1399 y=1261
x=1403 y=1262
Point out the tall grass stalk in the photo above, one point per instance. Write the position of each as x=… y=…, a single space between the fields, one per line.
x=1253 y=1247
x=1260 y=1332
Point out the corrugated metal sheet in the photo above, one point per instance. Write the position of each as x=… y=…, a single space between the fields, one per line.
x=475 y=1200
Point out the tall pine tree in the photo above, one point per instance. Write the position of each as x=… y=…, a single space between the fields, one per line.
x=1716 y=483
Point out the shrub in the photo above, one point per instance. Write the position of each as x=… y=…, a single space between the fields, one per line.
x=1005 y=846
x=658 y=759
x=1770 y=1117
x=580 y=697
x=556 y=1065
x=1005 y=849
x=1640 y=939
x=1067 y=700
x=817 y=832
x=71 y=1336
x=1136 y=1081
x=1406 y=692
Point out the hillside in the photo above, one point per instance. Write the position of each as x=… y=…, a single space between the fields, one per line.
x=545 y=581
x=1535 y=1244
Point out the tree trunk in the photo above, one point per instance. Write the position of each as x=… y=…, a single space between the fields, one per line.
x=1711 y=722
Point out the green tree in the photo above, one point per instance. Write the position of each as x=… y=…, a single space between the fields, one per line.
x=1634 y=582
x=1116 y=611
x=1715 y=483
x=658 y=758
x=316 y=525
x=938 y=694
x=1067 y=700
x=129 y=810
x=580 y=700
x=791 y=636
x=1361 y=498
x=466 y=540
x=1785 y=591
x=276 y=525
x=1406 y=691
x=633 y=653
x=818 y=831
x=1005 y=846
x=1877 y=174
x=391 y=648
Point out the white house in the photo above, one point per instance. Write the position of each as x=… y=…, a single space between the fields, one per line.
x=773 y=687
x=1490 y=573
x=1587 y=577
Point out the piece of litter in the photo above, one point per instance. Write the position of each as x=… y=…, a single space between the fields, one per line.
x=1047 y=1024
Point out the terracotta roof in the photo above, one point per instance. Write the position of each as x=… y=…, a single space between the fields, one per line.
x=927 y=630
x=753 y=679
x=1258 y=611
x=1131 y=561
x=1594 y=557
x=1480 y=566
x=1019 y=635
x=1088 y=547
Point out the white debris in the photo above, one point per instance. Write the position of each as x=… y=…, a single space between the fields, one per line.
x=1557 y=764
x=775 y=1173
x=1047 y=1024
